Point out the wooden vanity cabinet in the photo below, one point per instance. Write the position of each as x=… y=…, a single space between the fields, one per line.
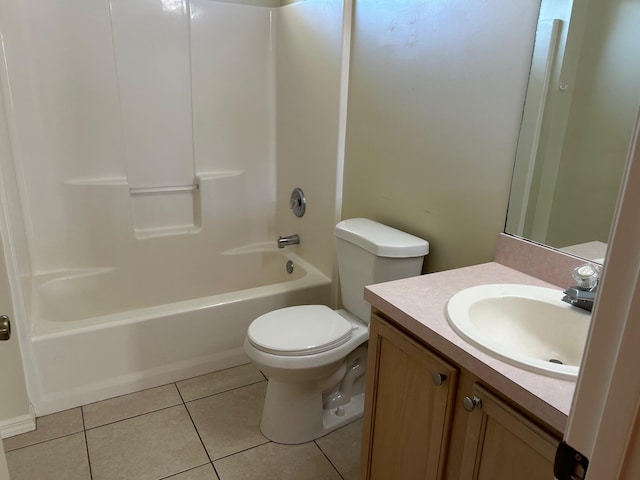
x=501 y=443
x=408 y=408
x=417 y=426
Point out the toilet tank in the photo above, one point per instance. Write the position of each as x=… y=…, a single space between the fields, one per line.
x=370 y=252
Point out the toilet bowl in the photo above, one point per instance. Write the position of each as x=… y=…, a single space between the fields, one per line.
x=307 y=377
x=315 y=357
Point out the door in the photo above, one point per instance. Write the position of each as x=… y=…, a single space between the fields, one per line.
x=4 y=471
x=14 y=401
x=604 y=423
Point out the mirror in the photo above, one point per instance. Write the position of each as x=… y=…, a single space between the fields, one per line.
x=580 y=109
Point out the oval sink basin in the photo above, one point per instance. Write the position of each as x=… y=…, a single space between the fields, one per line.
x=526 y=326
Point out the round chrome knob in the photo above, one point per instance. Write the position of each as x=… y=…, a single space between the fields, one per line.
x=471 y=403
x=438 y=378
x=5 y=328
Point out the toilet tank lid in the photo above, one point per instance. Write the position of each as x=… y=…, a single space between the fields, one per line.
x=381 y=240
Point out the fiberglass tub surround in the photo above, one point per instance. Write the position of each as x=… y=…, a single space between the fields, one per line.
x=155 y=142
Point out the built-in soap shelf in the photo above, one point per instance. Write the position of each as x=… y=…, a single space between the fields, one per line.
x=165 y=210
x=161 y=210
x=98 y=182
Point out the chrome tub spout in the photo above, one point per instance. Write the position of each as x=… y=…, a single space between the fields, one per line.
x=288 y=240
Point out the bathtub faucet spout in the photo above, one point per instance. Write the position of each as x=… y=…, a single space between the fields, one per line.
x=288 y=240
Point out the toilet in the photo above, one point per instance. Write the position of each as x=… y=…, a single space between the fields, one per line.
x=314 y=357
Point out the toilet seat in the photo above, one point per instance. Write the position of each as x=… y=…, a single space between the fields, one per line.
x=297 y=331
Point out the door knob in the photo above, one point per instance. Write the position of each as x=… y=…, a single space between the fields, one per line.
x=5 y=328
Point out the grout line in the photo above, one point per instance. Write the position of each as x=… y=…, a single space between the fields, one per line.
x=131 y=393
x=183 y=471
x=86 y=443
x=175 y=384
x=215 y=470
x=223 y=391
x=328 y=459
x=44 y=441
x=215 y=371
x=135 y=416
x=198 y=433
x=242 y=451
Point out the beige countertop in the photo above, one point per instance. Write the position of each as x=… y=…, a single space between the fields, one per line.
x=418 y=305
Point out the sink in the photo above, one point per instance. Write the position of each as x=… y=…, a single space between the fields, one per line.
x=526 y=326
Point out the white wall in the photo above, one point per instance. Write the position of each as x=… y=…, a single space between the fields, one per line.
x=435 y=103
x=308 y=53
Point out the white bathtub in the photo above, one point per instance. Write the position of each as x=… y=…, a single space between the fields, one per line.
x=108 y=332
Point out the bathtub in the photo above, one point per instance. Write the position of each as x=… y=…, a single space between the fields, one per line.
x=101 y=333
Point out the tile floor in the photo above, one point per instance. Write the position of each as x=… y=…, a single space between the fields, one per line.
x=202 y=428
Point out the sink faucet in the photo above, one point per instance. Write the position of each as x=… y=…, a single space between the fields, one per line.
x=583 y=295
x=288 y=240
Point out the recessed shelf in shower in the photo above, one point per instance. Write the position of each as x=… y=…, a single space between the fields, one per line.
x=165 y=210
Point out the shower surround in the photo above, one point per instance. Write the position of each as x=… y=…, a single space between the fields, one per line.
x=154 y=144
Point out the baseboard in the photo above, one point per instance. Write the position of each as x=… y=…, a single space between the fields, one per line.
x=17 y=425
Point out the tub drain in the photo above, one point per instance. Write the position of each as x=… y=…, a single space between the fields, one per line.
x=555 y=360
x=289 y=267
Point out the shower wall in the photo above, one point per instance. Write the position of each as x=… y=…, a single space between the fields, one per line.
x=167 y=126
x=308 y=68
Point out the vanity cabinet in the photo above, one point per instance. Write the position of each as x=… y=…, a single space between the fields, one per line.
x=502 y=443
x=426 y=418
x=409 y=402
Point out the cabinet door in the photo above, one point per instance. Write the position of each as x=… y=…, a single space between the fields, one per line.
x=408 y=408
x=503 y=444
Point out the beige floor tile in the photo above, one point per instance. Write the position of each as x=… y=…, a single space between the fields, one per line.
x=64 y=458
x=342 y=448
x=147 y=447
x=205 y=472
x=47 y=428
x=217 y=382
x=273 y=461
x=230 y=422
x=127 y=406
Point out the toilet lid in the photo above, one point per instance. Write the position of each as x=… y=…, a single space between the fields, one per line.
x=301 y=330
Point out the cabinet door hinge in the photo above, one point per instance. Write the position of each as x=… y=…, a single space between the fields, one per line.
x=569 y=464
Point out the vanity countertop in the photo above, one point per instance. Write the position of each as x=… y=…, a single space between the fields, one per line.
x=418 y=305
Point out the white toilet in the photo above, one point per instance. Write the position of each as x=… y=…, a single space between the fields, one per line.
x=314 y=357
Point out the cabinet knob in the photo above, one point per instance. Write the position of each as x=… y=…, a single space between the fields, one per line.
x=471 y=403
x=5 y=328
x=438 y=378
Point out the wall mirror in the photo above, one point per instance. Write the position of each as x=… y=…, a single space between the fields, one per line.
x=581 y=105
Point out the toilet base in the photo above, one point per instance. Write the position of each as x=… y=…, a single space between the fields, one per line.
x=298 y=412
x=298 y=421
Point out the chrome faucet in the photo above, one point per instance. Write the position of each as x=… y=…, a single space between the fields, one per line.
x=288 y=240
x=583 y=295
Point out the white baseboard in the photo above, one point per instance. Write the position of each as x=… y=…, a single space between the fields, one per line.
x=17 y=425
